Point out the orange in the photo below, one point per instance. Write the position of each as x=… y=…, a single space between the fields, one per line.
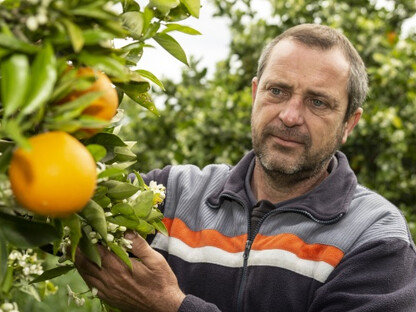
x=56 y=177
x=105 y=107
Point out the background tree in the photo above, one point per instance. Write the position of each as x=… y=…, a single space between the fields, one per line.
x=208 y=120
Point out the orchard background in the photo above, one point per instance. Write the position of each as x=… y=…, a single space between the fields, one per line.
x=207 y=119
x=203 y=119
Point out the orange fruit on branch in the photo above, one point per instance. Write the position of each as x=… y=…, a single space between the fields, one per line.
x=56 y=177
x=104 y=107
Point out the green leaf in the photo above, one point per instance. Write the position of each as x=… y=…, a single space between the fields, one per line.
x=89 y=249
x=75 y=34
x=74 y=108
x=14 y=82
x=145 y=228
x=108 y=64
x=7 y=280
x=94 y=214
x=148 y=75
x=111 y=172
x=121 y=253
x=139 y=180
x=133 y=21
x=144 y=204
x=20 y=232
x=160 y=226
x=143 y=99
x=93 y=10
x=5 y=158
x=193 y=7
x=52 y=273
x=14 y=131
x=15 y=44
x=97 y=151
x=124 y=221
x=43 y=77
x=123 y=153
x=106 y=139
x=120 y=190
x=123 y=209
x=164 y=6
x=177 y=27
x=172 y=46
x=4 y=255
x=74 y=224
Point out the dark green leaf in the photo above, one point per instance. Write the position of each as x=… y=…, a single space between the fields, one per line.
x=120 y=190
x=89 y=249
x=4 y=254
x=172 y=46
x=94 y=214
x=143 y=99
x=123 y=255
x=123 y=153
x=74 y=224
x=5 y=158
x=20 y=232
x=52 y=273
x=106 y=139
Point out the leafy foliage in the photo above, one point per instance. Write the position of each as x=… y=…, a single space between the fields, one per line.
x=42 y=44
x=208 y=120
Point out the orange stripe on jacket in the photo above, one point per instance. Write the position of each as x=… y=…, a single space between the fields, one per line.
x=178 y=229
x=292 y=243
x=289 y=242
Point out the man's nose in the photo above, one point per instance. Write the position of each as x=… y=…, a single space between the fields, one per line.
x=292 y=112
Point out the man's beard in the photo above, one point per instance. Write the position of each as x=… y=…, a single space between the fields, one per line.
x=308 y=163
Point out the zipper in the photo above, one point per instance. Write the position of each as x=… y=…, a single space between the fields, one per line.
x=252 y=234
x=246 y=253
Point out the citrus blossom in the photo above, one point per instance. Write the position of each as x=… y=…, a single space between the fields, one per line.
x=56 y=177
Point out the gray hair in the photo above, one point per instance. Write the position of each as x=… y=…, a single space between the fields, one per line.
x=325 y=38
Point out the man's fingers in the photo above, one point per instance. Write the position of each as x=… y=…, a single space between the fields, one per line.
x=141 y=249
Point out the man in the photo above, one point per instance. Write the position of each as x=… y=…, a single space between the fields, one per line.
x=288 y=228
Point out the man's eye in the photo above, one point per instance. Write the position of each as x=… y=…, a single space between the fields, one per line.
x=275 y=91
x=318 y=103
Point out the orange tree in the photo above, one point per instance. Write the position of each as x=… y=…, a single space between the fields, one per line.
x=64 y=171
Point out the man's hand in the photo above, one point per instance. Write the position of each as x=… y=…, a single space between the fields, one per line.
x=150 y=286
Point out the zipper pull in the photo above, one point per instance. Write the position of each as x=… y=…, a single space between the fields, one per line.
x=247 y=249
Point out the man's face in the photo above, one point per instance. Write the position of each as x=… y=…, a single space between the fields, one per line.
x=299 y=106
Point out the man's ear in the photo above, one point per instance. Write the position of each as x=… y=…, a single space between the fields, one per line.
x=254 y=84
x=351 y=123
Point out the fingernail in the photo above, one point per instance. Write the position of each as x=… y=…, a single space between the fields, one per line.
x=130 y=234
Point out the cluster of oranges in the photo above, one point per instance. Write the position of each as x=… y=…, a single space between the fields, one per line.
x=57 y=175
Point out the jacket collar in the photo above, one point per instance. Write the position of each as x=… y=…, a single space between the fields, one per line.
x=330 y=199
